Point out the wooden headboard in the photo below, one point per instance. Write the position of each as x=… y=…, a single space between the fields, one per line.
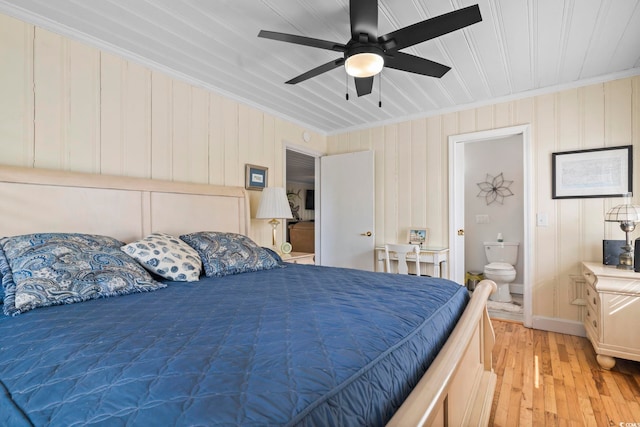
x=40 y=200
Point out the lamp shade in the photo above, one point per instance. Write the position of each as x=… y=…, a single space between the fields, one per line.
x=623 y=213
x=274 y=204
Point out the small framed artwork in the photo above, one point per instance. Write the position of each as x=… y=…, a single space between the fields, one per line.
x=597 y=172
x=255 y=177
x=418 y=236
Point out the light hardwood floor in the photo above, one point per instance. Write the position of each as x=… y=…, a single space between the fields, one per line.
x=550 y=379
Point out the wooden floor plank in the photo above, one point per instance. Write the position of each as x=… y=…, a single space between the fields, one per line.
x=538 y=383
x=635 y=410
x=586 y=412
x=551 y=379
x=528 y=377
x=599 y=411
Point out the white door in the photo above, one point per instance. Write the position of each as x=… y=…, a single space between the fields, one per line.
x=456 y=212
x=346 y=210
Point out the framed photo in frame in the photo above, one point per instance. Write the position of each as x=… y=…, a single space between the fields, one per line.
x=418 y=236
x=255 y=177
x=597 y=172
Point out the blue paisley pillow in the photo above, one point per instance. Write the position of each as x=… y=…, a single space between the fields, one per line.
x=229 y=253
x=40 y=270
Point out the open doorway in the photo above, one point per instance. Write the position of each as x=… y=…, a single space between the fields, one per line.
x=301 y=185
x=495 y=142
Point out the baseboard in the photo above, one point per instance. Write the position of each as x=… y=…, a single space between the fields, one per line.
x=562 y=326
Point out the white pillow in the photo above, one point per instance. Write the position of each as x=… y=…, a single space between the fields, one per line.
x=167 y=256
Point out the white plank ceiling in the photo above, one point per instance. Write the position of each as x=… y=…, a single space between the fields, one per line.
x=521 y=47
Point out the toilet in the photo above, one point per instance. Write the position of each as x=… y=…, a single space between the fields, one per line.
x=502 y=257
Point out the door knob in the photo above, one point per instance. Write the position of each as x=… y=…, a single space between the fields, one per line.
x=368 y=234
x=461 y=232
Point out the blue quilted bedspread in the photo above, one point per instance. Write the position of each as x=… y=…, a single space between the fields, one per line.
x=301 y=345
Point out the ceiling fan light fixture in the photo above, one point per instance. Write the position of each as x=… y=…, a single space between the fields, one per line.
x=365 y=64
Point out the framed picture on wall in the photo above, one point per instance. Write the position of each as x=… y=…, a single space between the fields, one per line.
x=598 y=172
x=255 y=177
x=418 y=236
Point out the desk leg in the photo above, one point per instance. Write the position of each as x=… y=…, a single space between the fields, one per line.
x=443 y=268
x=436 y=269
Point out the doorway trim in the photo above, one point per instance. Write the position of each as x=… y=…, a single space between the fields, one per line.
x=287 y=146
x=456 y=200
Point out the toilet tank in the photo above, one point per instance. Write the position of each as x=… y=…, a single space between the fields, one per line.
x=501 y=252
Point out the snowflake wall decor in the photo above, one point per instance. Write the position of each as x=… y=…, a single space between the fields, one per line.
x=494 y=189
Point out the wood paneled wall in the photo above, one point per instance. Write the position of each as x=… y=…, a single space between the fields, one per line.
x=65 y=105
x=412 y=176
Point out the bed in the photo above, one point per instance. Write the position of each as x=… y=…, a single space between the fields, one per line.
x=277 y=344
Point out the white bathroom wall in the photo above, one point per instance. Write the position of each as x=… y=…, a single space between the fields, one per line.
x=484 y=221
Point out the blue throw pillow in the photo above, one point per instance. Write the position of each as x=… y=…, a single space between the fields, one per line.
x=274 y=254
x=40 y=270
x=229 y=253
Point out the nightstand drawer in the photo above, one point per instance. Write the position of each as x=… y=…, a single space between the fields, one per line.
x=591 y=321
x=593 y=299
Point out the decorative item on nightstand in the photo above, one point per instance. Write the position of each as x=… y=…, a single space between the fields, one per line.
x=627 y=215
x=286 y=247
x=275 y=205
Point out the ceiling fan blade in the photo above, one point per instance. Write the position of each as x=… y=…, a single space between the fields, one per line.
x=363 y=85
x=317 y=71
x=364 y=19
x=305 y=41
x=415 y=64
x=431 y=28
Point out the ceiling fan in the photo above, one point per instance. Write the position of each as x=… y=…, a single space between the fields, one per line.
x=366 y=53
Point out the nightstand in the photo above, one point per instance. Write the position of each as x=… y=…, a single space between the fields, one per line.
x=613 y=304
x=299 y=258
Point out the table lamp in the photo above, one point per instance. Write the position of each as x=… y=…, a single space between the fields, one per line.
x=627 y=215
x=275 y=205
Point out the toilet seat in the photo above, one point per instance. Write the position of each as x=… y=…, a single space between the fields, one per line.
x=499 y=268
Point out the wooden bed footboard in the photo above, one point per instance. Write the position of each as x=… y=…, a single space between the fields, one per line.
x=458 y=387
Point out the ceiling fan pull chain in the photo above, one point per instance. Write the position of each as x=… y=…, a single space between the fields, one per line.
x=346 y=86
x=380 y=90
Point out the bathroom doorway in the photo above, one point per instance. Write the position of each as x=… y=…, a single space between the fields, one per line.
x=485 y=167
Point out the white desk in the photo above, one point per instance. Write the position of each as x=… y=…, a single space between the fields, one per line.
x=438 y=257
